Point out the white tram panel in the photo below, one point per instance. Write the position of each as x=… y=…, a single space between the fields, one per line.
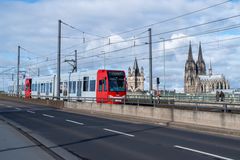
x=43 y=87
x=80 y=84
x=88 y=79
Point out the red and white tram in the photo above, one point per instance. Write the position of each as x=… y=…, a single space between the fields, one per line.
x=106 y=86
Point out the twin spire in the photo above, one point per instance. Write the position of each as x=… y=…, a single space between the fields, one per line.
x=200 y=64
x=200 y=56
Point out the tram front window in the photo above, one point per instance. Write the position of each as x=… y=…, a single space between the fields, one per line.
x=116 y=81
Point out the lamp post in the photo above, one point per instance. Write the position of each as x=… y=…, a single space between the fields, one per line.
x=164 y=89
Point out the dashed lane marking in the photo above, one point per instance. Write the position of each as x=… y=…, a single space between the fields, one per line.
x=118 y=132
x=47 y=115
x=204 y=153
x=9 y=106
x=75 y=122
x=31 y=112
x=19 y=109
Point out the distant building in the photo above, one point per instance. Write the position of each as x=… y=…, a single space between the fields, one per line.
x=135 y=79
x=196 y=79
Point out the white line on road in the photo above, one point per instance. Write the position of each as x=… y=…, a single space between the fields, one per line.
x=19 y=109
x=130 y=135
x=31 y=112
x=204 y=153
x=9 y=106
x=46 y=115
x=75 y=122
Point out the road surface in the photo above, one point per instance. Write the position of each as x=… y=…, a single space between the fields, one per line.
x=92 y=138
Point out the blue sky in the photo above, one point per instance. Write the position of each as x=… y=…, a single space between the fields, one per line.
x=33 y=25
x=28 y=1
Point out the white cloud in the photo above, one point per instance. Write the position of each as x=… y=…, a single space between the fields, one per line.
x=34 y=26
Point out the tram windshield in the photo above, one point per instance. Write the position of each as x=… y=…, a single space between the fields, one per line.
x=116 y=81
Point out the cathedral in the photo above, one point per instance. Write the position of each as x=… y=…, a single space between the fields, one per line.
x=135 y=79
x=197 y=80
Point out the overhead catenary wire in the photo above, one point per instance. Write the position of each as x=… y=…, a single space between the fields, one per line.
x=171 y=39
x=157 y=51
x=124 y=41
x=145 y=37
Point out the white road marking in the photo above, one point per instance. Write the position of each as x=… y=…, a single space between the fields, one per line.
x=204 y=153
x=126 y=134
x=19 y=109
x=75 y=122
x=46 y=115
x=31 y=112
x=9 y=106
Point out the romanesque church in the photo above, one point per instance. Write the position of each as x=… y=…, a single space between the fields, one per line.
x=135 y=79
x=197 y=80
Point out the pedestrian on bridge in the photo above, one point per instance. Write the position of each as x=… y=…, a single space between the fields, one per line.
x=222 y=96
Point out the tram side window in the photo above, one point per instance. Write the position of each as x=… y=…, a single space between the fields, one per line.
x=44 y=87
x=105 y=85
x=50 y=87
x=33 y=87
x=74 y=86
x=79 y=88
x=61 y=87
x=47 y=87
x=100 y=84
x=70 y=87
x=39 y=87
x=85 y=83
x=92 y=85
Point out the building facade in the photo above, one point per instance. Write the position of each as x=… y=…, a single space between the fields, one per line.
x=135 y=79
x=197 y=80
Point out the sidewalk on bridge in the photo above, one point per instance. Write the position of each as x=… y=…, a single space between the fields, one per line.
x=14 y=145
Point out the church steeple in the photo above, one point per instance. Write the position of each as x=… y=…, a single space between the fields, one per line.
x=135 y=68
x=201 y=67
x=200 y=57
x=190 y=57
x=190 y=72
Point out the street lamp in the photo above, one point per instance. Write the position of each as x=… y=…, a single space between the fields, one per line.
x=164 y=89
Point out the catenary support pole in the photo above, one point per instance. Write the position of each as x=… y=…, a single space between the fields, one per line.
x=76 y=61
x=59 y=60
x=18 y=65
x=150 y=60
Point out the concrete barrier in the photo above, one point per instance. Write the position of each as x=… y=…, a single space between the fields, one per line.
x=205 y=118
x=50 y=103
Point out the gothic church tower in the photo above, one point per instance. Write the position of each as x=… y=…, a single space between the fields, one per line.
x=135 y=78
x=201 y=67
x=190 y=73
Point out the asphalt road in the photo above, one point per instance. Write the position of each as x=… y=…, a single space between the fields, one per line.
x=92 y=138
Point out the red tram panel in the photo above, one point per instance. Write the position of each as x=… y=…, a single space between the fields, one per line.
x=111 y=86
x=27 y=87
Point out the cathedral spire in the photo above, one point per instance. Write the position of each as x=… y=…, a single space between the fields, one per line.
x=190 y=57
x=201 y=67
x=200 y=57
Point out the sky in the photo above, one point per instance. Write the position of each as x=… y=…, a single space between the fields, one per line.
x=33 y=24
